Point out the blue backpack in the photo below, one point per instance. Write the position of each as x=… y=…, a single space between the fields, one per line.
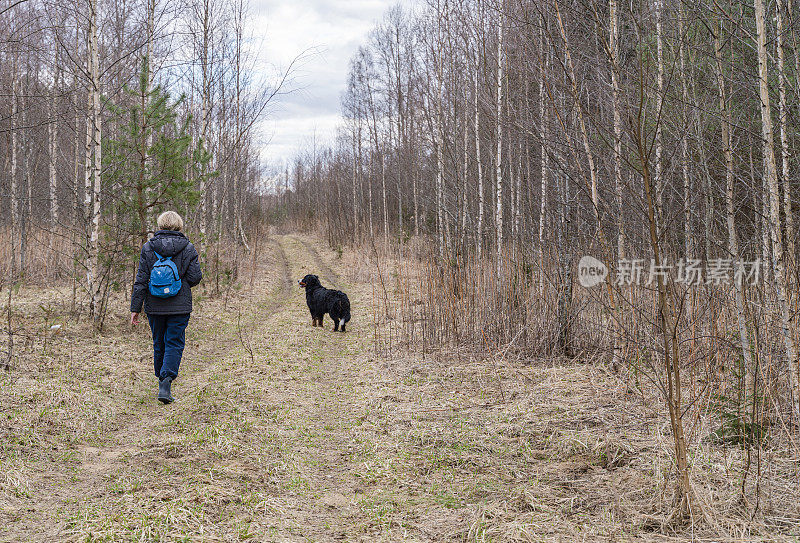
x=164 y=279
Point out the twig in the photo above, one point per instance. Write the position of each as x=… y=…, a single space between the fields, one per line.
x=246 y=345
x=10 y=354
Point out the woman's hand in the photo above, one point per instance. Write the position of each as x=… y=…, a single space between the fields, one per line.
x=134 y=319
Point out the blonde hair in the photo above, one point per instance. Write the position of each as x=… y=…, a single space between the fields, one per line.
x=169 y=220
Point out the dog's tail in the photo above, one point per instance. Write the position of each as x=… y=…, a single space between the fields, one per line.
x=343 y=306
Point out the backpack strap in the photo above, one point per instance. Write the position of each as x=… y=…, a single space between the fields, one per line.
x=168 y=258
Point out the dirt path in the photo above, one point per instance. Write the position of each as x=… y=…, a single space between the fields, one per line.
x=324 y=271
x=253 y=446
x=286 y=432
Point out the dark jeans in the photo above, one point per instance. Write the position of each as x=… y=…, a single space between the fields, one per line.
x=169 y=338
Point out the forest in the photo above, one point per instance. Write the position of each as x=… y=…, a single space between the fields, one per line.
x=566 y=228
x=499 y=142
x=113 y=111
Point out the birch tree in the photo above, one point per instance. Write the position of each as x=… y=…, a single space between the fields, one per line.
x=93 y=163
x=771 y=177
x=498 y=217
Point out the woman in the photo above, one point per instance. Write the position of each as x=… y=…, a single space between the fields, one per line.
x=168 y=313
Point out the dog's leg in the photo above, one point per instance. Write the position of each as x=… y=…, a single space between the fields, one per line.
x=343 y=324
x=335 y=325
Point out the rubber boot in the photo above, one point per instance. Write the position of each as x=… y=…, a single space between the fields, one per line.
x=164 y=394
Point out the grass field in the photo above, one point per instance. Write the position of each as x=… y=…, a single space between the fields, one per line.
x=285 y=432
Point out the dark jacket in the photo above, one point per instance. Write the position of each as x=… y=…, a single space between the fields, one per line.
x=184 y=255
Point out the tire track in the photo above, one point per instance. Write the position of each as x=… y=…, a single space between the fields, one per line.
x=327 y=273
x=271 y=302
x=283 y=264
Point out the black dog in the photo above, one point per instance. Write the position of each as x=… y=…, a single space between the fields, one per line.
x=322 y=300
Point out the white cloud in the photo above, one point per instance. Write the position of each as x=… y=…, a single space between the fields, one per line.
x=333 y=30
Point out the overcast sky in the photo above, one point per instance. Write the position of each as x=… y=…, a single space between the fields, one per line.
x=333 y=31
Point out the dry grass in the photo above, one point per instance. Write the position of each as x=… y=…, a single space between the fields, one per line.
x=337 y=437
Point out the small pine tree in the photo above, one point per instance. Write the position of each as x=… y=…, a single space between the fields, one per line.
x=149 y=162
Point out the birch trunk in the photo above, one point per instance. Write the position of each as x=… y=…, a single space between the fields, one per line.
x=385 y=202
x=76 y=158
x=479 y=163
x=204 y=114
x=147 y=142
x=687 y=214
x=565 y=264
x=389 y=145
x=141 y=196
x=795 y=46
x=464 y=185
x=356 y=221
x=771 y=171
x=783 y=113
x=544 y=53
x=517 y=214
x=614 y=50
x=659 y=188
x=151 y=10
x=733 y=238
x=370 y=203
x=400 y=226
x=439 y=174
x=14 y=201
x=708 y=219
x=499 y=152
x=414 y=179
x=93 y=166
x=25 y=214
x=438 y=137
x=401 y=140
x=766 y=234
x=52 y=137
